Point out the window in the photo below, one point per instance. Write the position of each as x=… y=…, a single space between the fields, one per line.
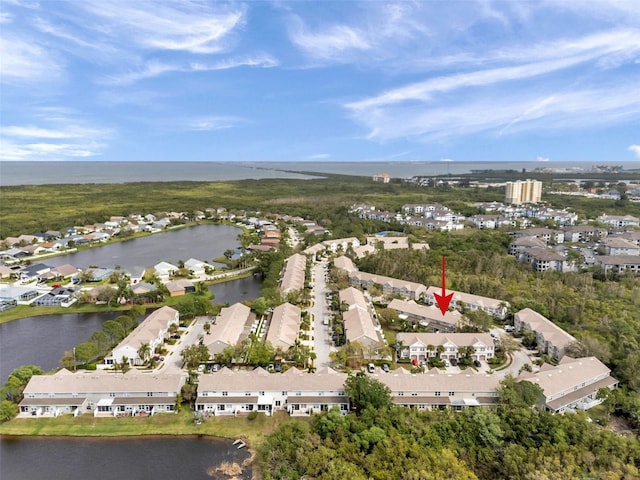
x=247 y=394
x=401 y=394
x=284 y=393
x=451 y=394
x=149 y=394
x=414 y=394
x=112 y=394
x=261 y=393
x=277 y=403
x=224 y=394
x=437 y=394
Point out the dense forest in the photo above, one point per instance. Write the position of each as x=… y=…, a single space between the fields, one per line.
x=385 y=442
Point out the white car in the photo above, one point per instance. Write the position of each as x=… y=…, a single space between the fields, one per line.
x=509 y=328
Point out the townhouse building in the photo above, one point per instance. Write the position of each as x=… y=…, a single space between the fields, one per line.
x=410 y=290
x=424 y=346
x=573 y=384
x=437 y=390
x=550 y=338
x=229 y=327
x=100 y=393
x=620 y=264
x=228 y=392
x=620 y=246
x=151 y=331
x=619 y=221
x=284 y=326
x=359 y=324
x=461 y=300
x=427 y=316
x=293 y=276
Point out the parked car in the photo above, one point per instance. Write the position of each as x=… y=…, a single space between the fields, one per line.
x=371 y=368
x=477 y=363
x=446 y=362
x=509 y=328
x=216 y=367
x=454 y=362
x=385 y=367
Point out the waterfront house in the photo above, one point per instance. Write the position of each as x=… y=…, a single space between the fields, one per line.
x=18 y=295
x=100 y=394
x=32 y=272
x=164 y=270
x=197 y=267
x=179 y=287
x=58 y=297
x=98 y=274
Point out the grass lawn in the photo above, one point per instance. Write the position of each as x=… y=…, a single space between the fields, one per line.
x=253 y=431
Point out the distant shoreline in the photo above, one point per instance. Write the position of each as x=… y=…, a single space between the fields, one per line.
x=85 y=172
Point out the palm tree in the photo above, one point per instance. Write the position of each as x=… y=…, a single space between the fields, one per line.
x=144 y=352
x=439 y=350
x=430 y=348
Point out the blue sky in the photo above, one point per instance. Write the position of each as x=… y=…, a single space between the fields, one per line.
x=324 y=81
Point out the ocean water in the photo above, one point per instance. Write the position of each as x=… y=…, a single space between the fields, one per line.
x=40 y=173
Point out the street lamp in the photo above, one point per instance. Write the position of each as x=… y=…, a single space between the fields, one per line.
x=74 y=359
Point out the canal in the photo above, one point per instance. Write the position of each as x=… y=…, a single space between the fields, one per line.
x=135 y=458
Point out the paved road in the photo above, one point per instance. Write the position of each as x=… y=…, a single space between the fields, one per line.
x=173 y=360
x=320 y=309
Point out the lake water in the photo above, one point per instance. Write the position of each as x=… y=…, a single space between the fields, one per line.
x=203 y=242
x=43 y=340
x=131 y=458
x=236 y=291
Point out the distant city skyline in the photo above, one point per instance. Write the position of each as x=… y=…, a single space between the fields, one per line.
x=467 y=80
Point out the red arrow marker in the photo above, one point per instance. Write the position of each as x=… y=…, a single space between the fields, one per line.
x=443 y=299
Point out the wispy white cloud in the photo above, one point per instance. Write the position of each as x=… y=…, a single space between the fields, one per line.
x=61 y=137
x=551 y=58
x=5 y=17
x=179 y=26
x=24 y=61
x=328 y=43
x=211 y=123
x=635 y=149
x=156 y=68
x=491 y=112
x=319 y=156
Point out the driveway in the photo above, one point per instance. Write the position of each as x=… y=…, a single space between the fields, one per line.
x=321 y=333
x=173 y=360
